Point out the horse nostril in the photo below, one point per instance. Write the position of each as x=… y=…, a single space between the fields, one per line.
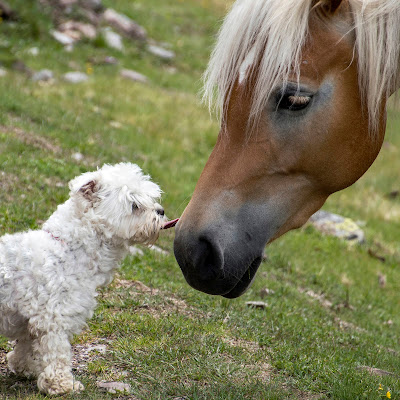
x=160 y=211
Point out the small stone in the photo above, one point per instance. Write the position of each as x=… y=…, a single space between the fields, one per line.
x=62 y=38
x=34 y=51
x=159 y=250
x=256 y=304
x=135 y=251
x=381 y=280
x=161 y=52
x=42 y=75
x=107 y=60
x=77 y=156
x=80 y=28
x=115 y=387
x=266 y=292
x=94 y=5
x=112 y=39
x=3 y=72
x=133 y=75
x=68 y=48
x=20 y=66
x=75 y=77
x=336 y=225
x=124 y=24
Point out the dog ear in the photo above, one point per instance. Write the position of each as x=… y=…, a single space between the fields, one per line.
x=85 y=185
x=88 y=190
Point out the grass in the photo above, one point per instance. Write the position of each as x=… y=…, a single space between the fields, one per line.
x=162 y=337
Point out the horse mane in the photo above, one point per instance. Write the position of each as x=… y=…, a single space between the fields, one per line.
x=276 y=32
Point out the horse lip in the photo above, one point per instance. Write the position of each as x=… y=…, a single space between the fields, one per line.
x=245 y=281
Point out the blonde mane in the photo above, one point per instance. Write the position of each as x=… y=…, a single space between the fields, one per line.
x=276 y=31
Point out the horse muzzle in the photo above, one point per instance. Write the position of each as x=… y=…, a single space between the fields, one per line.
x=222 y=257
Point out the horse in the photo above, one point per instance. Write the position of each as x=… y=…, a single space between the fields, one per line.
x=301 y=88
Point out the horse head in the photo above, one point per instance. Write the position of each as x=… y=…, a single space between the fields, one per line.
x=301 y=118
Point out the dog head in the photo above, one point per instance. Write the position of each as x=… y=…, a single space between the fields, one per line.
x=120 y=201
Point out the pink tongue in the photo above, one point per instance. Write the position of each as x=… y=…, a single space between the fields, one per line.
x=170 y=224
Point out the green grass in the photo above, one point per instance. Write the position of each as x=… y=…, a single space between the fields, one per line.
x=173 y=341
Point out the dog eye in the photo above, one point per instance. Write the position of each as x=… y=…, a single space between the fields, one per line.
x=134 y=207
x=293 y=102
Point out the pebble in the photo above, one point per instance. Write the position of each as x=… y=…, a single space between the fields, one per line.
x=43 y=75
x=133 y=75
x=115 y=387
x=135 y=251
x=338 y=226
x=113 y=39
x=161 y=52
x=75 y=77
x=124 y=24
x=62 y=38
x=34 y=51
x=257 y=304
x=77 y=156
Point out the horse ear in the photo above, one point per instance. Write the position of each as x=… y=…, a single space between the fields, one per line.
x=329 y=6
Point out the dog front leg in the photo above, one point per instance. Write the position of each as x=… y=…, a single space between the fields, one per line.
x=52 y=355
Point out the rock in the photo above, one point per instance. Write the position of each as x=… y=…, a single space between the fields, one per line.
x=76 y=29
x=77 y=156
x=62 y=38
x=42 y=75
x=115 y=387
x=124 y=25
x=336 y=225
x=159 y=250
x=94 y=5
x=133 y=75
x=75 y=77
x=256 y=304
x=161 y=52
x=3 y=72
x=266 y=292
x=107 y=60
x=135 y=251
x=112 y=39
x=34 y=51
x=20 y=66
x=381 y=280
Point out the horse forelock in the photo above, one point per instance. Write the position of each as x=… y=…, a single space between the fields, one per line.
x=276 y=31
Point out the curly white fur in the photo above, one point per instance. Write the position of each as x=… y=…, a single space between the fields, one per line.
x=48 y=277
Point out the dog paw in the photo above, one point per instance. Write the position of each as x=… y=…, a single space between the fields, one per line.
x=58 y=384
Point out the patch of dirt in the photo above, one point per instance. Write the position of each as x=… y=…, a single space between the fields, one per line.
x=377 y=371
x=84 y=353
x=250 y=346
x=7 y=184
x=31 y=139
x=319 y=297
x=170 y=305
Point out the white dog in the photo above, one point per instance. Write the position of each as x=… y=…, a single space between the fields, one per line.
x=48 y=277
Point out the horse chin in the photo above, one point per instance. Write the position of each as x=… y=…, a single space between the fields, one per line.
x=245 y=281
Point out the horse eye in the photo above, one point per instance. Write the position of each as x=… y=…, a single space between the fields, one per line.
x=293 y=102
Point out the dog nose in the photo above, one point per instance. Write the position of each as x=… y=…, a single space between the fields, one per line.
x=160 y=211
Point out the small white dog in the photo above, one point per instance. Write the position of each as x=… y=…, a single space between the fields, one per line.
x=48 y=277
